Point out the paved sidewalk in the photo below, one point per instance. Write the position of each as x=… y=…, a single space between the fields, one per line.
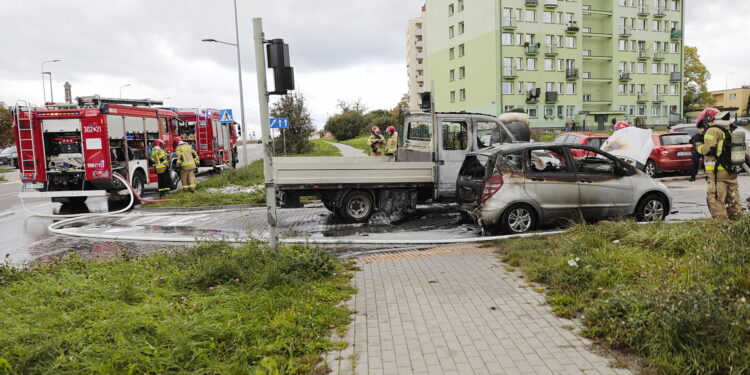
x=348 y=151
x=456 y=310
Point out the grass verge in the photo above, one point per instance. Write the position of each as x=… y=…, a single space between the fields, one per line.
x=2 y=178
x=322 y=148
x=358 y=143
x=212 y=309
x=678 y=295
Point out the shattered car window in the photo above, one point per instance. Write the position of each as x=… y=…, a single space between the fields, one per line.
x=544 y=160
x=594 y=163
x=509 y=162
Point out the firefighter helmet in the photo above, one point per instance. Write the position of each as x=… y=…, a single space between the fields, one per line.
x=621 y=125
x=390 y=129
x=375 y=129
x=177 y=140
x=706 y=117
x=159 y=143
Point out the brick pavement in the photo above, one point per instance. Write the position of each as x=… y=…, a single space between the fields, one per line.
x=456 y=310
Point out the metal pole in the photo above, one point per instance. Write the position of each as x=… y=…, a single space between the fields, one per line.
x=265 y=128
x=51 y=95
x=44 y=86
x=283 y=136
x=245 y=160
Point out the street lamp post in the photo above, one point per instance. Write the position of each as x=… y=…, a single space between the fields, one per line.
x=123 y=86
x=239 y=74
x=44 y=87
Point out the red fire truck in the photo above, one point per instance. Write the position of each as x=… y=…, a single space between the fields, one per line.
x=69 y=150
x=214 y=141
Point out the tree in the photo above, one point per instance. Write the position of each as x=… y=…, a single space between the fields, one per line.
x=380 y=118
x=346 y=125
x=695 y=77
x=6 y=126
x=353 y=106
x=300 y=128
x=400 y=111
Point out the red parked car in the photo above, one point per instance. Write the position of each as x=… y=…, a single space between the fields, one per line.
x=589 y=139
x=672 y=152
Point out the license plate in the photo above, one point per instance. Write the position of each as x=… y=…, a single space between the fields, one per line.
x=33 y=185
x=683 y=153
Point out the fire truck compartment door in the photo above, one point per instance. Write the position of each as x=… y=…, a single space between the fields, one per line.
x=134 y=124
x=61 y=125
x=152 y=126
x=115 y=127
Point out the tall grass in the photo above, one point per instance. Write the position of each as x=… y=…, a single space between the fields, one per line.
x=679 y=295
x=213 y=309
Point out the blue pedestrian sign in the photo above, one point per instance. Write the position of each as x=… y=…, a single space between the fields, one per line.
x=226 y=116
x=280 y=123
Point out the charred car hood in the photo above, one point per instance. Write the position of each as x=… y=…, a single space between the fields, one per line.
x=631 y=144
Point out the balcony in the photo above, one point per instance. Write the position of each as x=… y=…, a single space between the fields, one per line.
x=532 y=3
x=571 y=73
x=625 y=30
x=551 y=50
x=550 y=3
x=509 y=72
x=659 y=10
x=659 y=56
x=643 y=10
x=508 y=23
x=643 y=98
x=658 y=98
x=675 y=77
x=550 y=97
x=532 y=49
x=533 y=95
x=676 y=34
x=644 y=54
x=572 y=27
x=624 y=76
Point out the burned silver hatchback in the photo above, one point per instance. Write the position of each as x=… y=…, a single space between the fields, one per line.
x=514 y=188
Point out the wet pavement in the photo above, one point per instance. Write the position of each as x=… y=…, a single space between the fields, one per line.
x=26 y=237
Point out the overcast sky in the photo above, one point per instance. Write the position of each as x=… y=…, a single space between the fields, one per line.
x=340 y=49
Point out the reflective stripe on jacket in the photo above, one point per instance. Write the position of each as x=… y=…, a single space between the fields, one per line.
x=713 y=139
x=392 y=145
x=160 y=160
x=186 y=156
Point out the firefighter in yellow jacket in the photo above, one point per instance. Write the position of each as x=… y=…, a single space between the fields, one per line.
x=376 y=142
x=391 y=145
x=160 y=162
x=723 y=190
x=188 y=161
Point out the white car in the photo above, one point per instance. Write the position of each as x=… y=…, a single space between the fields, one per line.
x=513 y=188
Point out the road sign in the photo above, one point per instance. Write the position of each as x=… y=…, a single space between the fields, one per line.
x=226 y=116
x=279 y=123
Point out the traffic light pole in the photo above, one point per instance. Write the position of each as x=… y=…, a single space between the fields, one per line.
x=265 y=127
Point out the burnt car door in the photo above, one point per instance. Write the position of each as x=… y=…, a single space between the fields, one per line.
x=471 y=178
x=604 y=192
x=549 y=180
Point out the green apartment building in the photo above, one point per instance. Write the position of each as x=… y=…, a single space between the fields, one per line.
x=590 y=61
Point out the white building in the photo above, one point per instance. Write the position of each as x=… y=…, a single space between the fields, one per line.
x=415 y=58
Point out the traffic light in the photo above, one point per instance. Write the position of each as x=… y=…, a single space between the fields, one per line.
x=426 y=98
x=278 y=60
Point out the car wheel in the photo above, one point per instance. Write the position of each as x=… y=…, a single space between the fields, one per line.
x=650 y=169
x=357 y=207
x=139 y=183
x=520 y=218
x=651 y=208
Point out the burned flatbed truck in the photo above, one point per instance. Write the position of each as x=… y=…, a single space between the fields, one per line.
x=431 y=151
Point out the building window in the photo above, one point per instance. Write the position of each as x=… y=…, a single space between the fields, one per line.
x=462 y=72
x=460 y=5
x=508 y=108
x=530 y=64
x=549 y=112
x=621 y=89
x=451 y=32
x=531 y=111
x=507 y=39
x=641 y=68
x=460 y=28
x=453 y=96
x=570 y=42
x=452 y=53
x=530 y=15
x=570 y=111
x=519 y=39
x=641 y=110
x=520 y=88
x=655 y=68
x=550 y=87
x=451 y=9
x=463 y=94
x=732 y=96
x=461 y=50
x=547 y=17
x=623 y=45
x=452 y=75
x=549 y=65
x=673 y=90
x=507 y=88
x=519 y=63
x=571 y=89
x=656 y=111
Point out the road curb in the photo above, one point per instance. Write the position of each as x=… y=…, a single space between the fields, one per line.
x=231 y=207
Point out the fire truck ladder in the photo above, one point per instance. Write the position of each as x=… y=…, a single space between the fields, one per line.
x=26 y=144
x=201 y=131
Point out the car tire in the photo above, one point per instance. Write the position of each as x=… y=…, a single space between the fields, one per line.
x=651 y=208
x=518 y=219
x=357 y=207
x=174 y=177
x=651 y=169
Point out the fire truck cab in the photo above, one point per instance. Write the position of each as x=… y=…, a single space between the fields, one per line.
x=78 y=148
x=214 y=141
